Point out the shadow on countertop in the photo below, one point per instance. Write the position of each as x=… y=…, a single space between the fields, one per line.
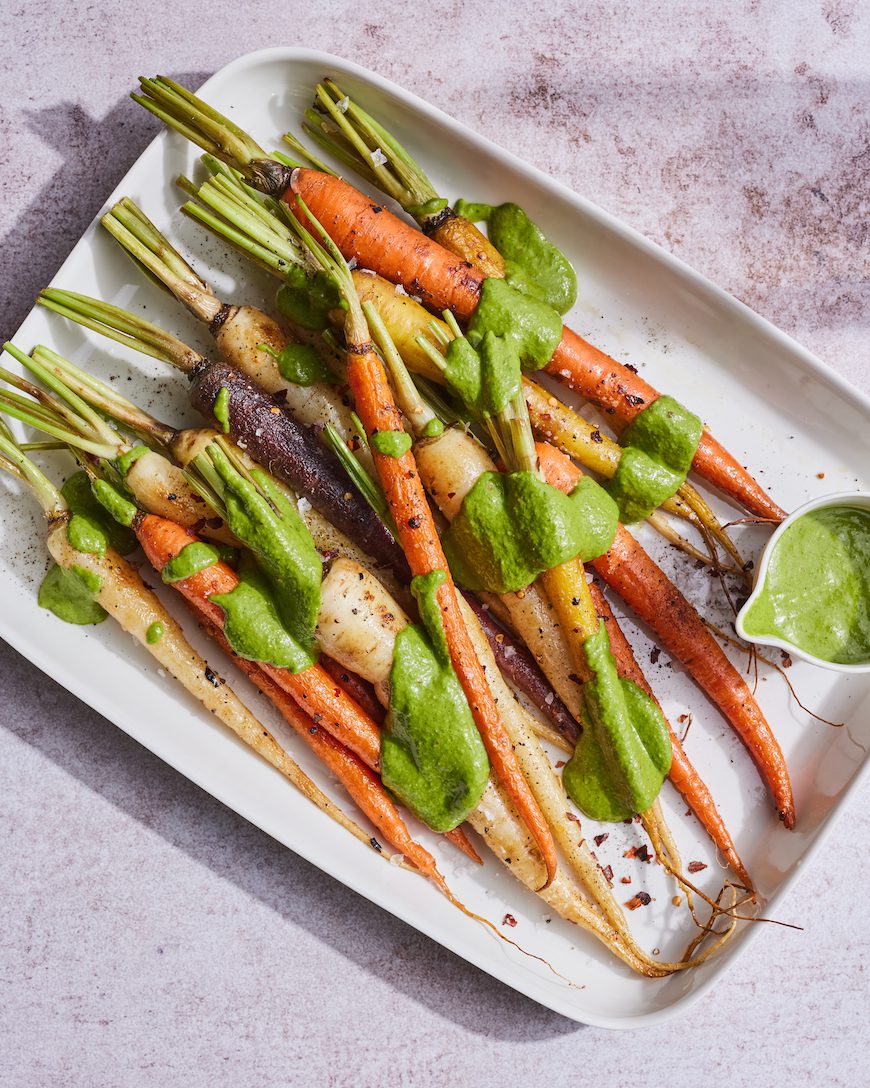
x=96 y=153
x=114 y=766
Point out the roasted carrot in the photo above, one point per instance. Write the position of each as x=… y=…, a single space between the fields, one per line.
x=650 y=593
x=363 y=694
x=377 y=239
x=422 y=547
x=363 y=785
x=361 y=691
x=682 y=774
x=313 y=689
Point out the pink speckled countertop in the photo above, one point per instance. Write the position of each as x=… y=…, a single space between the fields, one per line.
x=148 y=935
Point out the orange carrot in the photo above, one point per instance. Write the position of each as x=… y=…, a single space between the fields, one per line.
x=313 y=689
x=363 y=694
x=656 y=600
x=379 y=240
x=682 y=774
x=363 y=785
x=361 y=691
x=422 y=547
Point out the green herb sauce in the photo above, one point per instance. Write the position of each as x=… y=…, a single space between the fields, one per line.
x=154 y=633
x=252 y=625
x=89 y=522
x=507 y=334
x=299 y=364
x=306 y=298
x=71 y=595
x=221 y=408
x=113 y=502
x=658 y=447
x=391 y=443
x=512 y=526
x=126 y=461
x=85 y=535
x=624 y=752
x=816 y=591
x=192 y=558
x=432 y=756
x=262 y=516
x=532 y=263
x=433 y=428
x=429 y=208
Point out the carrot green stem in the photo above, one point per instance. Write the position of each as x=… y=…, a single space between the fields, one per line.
x=367 y=487
x=345 y=129
x=213 y=132
x=85 y=389
x=413 y=406
x=14 y=461
x=122 y=327
x=228 y=210
x=153 y=252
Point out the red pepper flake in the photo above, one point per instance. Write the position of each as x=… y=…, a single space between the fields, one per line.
x=559 y=764
x=696 y=866
x=642 y=899
x=608 y=873
x=625 y=880
x=599 y=839
x=631 y=852
x=570 y=816
x=683 y=718
x=786 y=660
x=509 y=920
x=654 y=655
x=596 y=436
x=643 y=853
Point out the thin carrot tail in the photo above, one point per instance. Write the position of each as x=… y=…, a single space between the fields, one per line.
x=697 y=796
x=719 y=468
x=682 y=774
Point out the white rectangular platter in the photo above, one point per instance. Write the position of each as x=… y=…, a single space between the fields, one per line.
x=780 y=410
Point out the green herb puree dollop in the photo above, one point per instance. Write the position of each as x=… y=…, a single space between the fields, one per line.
x=299 y=364
x=533 y=264
x=624 y=751
x=193 y=557
x=391 y=443
x=90 y=523
x=512 y=526
x=657 y=451
x=306 y=298
x=71 y=594
x=507 y=334
x=432 y=756
x=262 y=516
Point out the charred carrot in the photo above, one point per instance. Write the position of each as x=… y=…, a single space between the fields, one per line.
x=363 y=785
x=312 y=688
x=379 y=240
x=650 y=593
x=419 y=539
